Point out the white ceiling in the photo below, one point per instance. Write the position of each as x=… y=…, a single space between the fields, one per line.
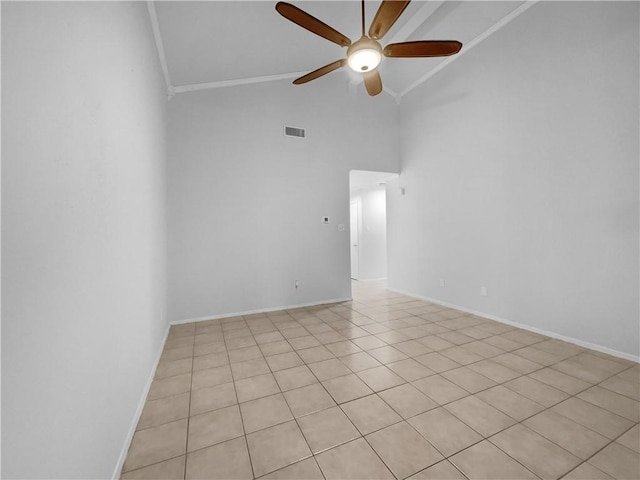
x=209 y=44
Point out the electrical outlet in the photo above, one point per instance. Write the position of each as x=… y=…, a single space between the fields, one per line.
x=483 y=291
x=442 y=282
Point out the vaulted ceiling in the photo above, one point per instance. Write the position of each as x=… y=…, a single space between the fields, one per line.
x=212 y=44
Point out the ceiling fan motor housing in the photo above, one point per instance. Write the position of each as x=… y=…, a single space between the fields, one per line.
x=364 y=55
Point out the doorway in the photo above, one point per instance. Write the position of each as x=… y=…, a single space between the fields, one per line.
x=368 y=224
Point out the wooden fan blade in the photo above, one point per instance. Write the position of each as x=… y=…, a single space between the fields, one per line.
x=423 y=48
x=303 y=19
x=320 y=72
x=386 y=16
x=373 y=82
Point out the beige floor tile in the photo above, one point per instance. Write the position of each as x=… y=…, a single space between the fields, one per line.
x=437 y=362
x=216 y=347
x=205 y=338
x=407 y=400
x=466 y=378
x=412 y=348
x=244 y=354
x=455 y=337
x=164 y=410
x=265 y=412
x=329 y=337
x=178 y=342
x=392 y=337
x=211 y=377
x=347 y=388
x=357 y=362
x=461 y=355
x=623 y=387
x=328 y=369
x=536 y=391
x=542 y=457
x=315 y=354
x=614 y=402
x=227 y=460
x=517 y=363
x=387 y=354
x=249 y=368
x=295 y=378
x=576 y=368
x=210 y=360
x=617 y=461
x=282 y=361
x=239 y=342
x=443 y=470
x=503 y=343
x=256 y=387
x=439 y=389
x=597 y=419
x=177 y=353
x=268 y=337
x=380 y=378
x=537 y=356
x=355 y=460
x=172 y=469
x=444 y=431
x=167 y=387
x=484 y=461
x=275 y=348
x=327 y=428
x=370 y=413
x=570 y=435
x=294 y=332
x=586 y=471
x=309 y=399
x=631 y=439
x=369 y=342
x=630 y=375
x=305 y=470
x=157 y=444
x=480 y=416
x=214 y=427
x=340 y=349
x=410 y=370
x=560 y=381
x=435 y=343
x=483 y=349
x=509 y=402
x=494 y=371
x=302 y=343
x=403 y=449
x=212 y=398
x=169 y=368
x=276 y=447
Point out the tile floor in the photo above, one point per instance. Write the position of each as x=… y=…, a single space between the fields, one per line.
x=386 y=386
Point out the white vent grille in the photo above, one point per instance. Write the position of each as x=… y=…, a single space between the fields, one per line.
x=294 y=132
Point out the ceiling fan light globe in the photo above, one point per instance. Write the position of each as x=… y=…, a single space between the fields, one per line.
x=364 y=60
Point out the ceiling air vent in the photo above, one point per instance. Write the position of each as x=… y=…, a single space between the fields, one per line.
x=294 y=132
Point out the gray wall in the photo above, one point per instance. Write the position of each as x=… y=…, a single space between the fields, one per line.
x=83 y=128
x=245 y=202
x=520 y=163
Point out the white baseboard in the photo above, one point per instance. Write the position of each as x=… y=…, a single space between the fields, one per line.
x=136 y=416
x=263 y=310
x=575 y=341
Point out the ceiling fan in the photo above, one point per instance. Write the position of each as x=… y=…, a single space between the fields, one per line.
x=365 y=54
